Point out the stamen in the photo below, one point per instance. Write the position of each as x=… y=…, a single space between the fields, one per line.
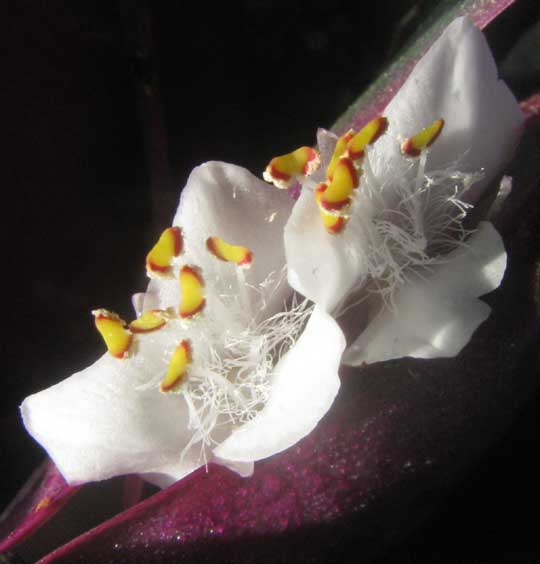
x=241 y=256
x=177 y=370
x=332 y=223
x=159 y=259
x=231 y=383
x=242 y=292
x=413 y=146
x=113 y=330
x=192 y=291
x=344 y=181
x=282 y=170
x=150 y=320
x=341 y=147
x=366 y=136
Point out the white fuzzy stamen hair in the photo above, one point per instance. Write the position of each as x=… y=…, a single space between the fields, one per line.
x=230 y=384
x=413 y=221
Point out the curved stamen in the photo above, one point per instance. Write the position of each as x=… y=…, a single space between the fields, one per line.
x=366 y=136
x=241 y=256
x=178 y=367
x=413 y=146
x=113 y=330
x=168 y=246
x=332 y=223
x=344 y=181
x=282 y=170
x=339 y=151
x=149 y=321
x=192 y=291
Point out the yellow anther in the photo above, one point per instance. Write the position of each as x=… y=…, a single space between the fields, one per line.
x=282 y=170
x=332 y=223
x=241 y=256
x=413 y=146
x=339 y=151
x=169 y=245
x=150 y=320
x=44 y=502
x=344 y=181
x=113 y=330
x=366 y=136
x=177 y=370
x=192 y=290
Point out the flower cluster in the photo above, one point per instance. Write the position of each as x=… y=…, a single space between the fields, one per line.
x=234 y=364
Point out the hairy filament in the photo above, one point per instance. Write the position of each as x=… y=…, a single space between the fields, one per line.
x=408 y=223
x=232 y=384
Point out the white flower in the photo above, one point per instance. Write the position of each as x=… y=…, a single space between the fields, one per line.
x=402 y=274
x=260 y=378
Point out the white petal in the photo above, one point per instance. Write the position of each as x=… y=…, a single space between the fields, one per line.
x=244 y=469
x=326 y=143
x=137 y=301
x=437 y=316
x=326 y=267
x=321 y=266
x=170 y=475
x=457 y=80
x=227 y=201
x=105 y=421
x=304 y=385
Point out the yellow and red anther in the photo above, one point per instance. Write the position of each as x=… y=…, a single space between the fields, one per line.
x=178 y=367
x=333 y=223
x=413 y=146
x=114 y=332
x=366 y=136
x=43 y=502
x=149 y=321
x=241 y=256
x=192 y=299
x=337 y=195
x=339 y=151
x=282 y=171
x=168 y=246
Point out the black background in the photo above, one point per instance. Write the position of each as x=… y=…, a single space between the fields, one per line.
x=108 y=106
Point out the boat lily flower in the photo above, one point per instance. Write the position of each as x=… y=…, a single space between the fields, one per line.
x=381 y=241
x=214 y=368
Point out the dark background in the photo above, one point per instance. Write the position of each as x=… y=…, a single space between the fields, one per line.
x=109 y=105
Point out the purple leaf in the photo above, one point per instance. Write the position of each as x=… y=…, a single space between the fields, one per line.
x=42 y=496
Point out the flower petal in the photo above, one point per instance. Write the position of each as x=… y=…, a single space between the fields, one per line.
x=326 y=142
x=457 y=80
x=229 y=202
x=304 y=385
x=437 y=316
x=105 y=420
x=321 y=266
x=143 y=301
x=373 y=101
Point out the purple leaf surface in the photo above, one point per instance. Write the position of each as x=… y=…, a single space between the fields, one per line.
x=41 y=497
